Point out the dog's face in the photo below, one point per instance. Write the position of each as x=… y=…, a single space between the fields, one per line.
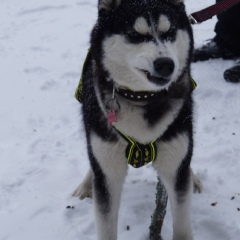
x=145 y=45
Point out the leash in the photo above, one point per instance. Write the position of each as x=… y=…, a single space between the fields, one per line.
x=209 y=12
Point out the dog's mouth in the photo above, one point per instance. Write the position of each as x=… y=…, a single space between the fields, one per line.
x=154 y=79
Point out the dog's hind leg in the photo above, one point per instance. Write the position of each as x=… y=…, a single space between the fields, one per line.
x=197 y=185
x=84 y=190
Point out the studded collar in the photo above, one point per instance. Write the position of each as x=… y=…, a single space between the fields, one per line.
x=143 y=96
x=140 y=96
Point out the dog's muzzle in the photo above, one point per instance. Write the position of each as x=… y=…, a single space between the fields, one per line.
x=163 y=70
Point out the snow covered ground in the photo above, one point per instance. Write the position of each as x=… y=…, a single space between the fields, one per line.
x=42 y=146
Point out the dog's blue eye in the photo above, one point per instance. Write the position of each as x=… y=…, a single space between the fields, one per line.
x=169 y=35
x=136 y=37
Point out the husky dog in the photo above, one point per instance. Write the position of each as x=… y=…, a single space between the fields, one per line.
x=137 y=106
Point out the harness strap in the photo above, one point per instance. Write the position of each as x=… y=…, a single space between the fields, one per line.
x=138 y=154
x=79 y=92
x=194 y=84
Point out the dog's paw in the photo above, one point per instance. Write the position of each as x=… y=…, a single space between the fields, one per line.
x=197 y=185
x=83 y=191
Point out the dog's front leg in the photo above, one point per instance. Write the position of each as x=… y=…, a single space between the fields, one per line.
x=107 y=197
x=174 y=171
x=180 y=206
x=109 y=171
x=180 y=202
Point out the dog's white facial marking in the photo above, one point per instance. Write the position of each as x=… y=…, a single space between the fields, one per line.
x=141 y=26
x=182 y=45
x=163 y=24
x=123 y=61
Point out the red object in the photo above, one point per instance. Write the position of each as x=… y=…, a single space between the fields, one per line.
x=111 y=116
x=209 y=12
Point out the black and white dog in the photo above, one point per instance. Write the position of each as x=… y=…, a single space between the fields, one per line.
x=137 y=106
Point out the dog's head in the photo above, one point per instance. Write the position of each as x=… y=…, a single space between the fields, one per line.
x=142 y=45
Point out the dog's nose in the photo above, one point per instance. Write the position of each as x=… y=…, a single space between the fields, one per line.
x=164 y=66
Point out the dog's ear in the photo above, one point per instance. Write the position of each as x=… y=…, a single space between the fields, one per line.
x=108 y=4
x=178 y=1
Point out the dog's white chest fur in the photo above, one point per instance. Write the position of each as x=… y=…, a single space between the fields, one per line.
x=131 y=121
